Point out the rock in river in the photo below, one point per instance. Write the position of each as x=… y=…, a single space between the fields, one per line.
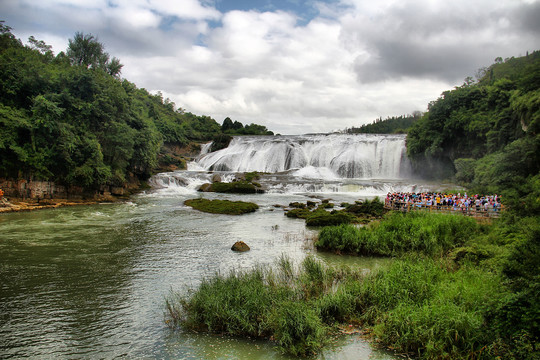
x=240 y=246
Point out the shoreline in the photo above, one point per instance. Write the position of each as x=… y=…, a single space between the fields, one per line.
x=20 y=205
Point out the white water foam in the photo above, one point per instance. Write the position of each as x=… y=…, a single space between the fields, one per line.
x=363 y=156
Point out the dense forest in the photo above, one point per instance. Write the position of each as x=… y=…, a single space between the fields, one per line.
x=72 y=119
x=390 y=125
x=485 y=133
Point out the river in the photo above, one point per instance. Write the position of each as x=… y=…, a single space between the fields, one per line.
x=91 y=281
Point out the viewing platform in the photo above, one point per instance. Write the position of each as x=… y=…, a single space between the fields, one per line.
x=480 y=212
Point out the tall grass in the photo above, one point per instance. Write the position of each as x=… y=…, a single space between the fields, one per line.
x=431 y=234
x=415 y=305
x=432 y=313
x=278 y=302
x=423 y=304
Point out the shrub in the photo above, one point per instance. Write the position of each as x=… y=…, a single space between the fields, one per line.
x=374 y=208
x=298 y=213
x=262 y=302
x=230 y=304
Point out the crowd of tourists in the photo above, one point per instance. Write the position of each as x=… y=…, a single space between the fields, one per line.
x=442 y=201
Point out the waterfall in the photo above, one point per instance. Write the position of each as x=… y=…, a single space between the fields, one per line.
x=364 y=156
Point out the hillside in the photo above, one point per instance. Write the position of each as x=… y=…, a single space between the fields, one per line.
x=390 y=125
x=486 y=133
x=72 y=119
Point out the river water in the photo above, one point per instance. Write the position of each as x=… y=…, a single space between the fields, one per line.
x=91 y=281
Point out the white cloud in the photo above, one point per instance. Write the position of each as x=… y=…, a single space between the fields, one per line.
x=190 y=9
x=358 y=60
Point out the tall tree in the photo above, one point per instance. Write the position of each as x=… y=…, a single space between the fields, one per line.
x=85 y=50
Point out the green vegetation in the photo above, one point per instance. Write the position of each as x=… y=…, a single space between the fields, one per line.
x=281 y=303
x=71 y=119
x=318 y=216
x=374 y=207
x=486 y=133
x=428 y=303
x=321 y=217
x=237 y=128
x=390 y=125
x=399 y=233
x=222 y=206
x=325 y=218
x=235 y=187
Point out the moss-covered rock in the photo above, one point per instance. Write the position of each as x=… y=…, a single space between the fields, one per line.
x=298 y=213
x=325 y=218
x=235 y=187
x=222 y=206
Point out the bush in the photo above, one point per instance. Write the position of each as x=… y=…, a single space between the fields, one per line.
x=374 y=208
x=230 y=304
x=263 y=303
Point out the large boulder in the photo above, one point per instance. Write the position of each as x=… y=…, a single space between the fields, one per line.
x=240 y=246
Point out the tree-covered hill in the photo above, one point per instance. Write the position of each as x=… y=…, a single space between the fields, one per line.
x=70 y=118
x=390 y=125
x=486 y=133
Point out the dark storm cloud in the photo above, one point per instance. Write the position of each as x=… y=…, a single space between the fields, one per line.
x=528 y=16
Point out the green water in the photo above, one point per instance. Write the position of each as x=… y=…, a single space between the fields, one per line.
x=90 y=281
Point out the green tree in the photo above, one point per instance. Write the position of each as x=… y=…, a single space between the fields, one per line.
x=85 y=50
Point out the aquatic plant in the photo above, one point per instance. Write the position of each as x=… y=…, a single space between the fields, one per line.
x=278 y=303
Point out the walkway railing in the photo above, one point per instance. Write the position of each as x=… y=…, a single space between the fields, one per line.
x=480 y=212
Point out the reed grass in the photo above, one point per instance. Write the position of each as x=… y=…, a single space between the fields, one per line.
x=421 y=304
x=432 y=234
x=280 y=302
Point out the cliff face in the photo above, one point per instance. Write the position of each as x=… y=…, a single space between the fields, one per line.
x=28 y=189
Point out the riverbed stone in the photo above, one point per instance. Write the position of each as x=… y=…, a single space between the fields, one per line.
x=205 y=187
x=240 y=246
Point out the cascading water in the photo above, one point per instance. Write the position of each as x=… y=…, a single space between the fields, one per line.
x=364 y=156
x=352 y=165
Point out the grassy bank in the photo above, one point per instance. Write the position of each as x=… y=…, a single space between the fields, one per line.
x=430 y=234
x=440 y=300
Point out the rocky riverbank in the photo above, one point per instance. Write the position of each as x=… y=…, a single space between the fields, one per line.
x=15 y=205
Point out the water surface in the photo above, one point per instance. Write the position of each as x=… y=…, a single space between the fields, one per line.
x=91 y=281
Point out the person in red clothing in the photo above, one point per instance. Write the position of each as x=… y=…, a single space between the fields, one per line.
x=1 y=194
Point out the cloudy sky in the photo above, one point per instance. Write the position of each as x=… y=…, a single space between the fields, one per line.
x=295 y=66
